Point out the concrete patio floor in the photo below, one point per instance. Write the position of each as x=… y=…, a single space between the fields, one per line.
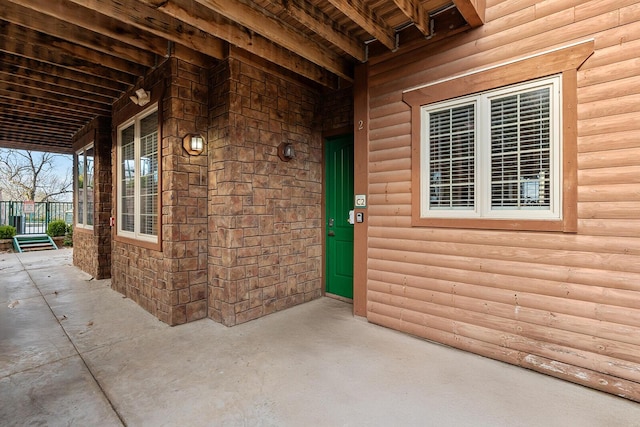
x=75 y=352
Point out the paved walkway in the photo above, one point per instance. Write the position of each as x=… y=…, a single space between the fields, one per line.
x=74 y=352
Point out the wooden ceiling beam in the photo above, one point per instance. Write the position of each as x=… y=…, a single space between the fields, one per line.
x=364 y=16
x=36 y=77
x=52 y=88
x=118 y=28
x=41 y=122
x=419 y=16
x=320 y=23
x=11 y=62
x=36 y=143
x=38 y=97
x=219 y=26
x=35 y=44
x=137 y=14
x=279 y=33
x=21 y=129
x=56 y=58
x=473 y=11
x=26 y=132
x=36 y=112
x=89 y=39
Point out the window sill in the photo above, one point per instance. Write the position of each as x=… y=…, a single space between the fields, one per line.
x=82 y=229
x=154 y=246
x=495 y=224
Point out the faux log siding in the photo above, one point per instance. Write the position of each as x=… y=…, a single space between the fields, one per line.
x=564 y=304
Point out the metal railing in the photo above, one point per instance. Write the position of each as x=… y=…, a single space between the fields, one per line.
x=34 y=217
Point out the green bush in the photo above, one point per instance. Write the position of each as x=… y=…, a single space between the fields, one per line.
x=57 y=228
x=7 y=231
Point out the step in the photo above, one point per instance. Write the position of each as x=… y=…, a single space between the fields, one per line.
x=40 y=242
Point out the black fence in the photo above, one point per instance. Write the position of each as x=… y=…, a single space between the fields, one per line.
x=34 y=217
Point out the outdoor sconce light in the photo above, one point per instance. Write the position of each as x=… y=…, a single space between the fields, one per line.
x=193 y=143
x=142 y=97
x=286 y=151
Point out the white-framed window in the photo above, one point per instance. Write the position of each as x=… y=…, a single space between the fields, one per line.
x=84 y=187
x=494 y=155
x=137 y=182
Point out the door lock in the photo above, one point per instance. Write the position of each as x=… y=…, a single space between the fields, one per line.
x=330 y=222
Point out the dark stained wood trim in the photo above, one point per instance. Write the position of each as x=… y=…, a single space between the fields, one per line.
x=361 y=183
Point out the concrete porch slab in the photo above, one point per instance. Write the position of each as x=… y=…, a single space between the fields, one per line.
x=102 y=358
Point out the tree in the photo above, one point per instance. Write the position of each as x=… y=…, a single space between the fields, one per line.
x=32 y=175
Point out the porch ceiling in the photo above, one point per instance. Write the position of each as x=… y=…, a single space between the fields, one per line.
x=64 y=62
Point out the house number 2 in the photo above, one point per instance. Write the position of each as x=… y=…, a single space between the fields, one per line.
x=360 y=125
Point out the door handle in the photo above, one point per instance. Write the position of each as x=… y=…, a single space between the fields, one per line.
x=331 y=233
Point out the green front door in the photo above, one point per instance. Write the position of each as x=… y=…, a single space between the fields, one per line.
x=339 y=201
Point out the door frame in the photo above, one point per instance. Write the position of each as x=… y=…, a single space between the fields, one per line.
x=360 y=131
x=325 y=244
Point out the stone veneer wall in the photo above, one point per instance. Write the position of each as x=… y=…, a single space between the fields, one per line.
x=337 y=111
x=92 y=248
x=265 y=230
x=172 y=283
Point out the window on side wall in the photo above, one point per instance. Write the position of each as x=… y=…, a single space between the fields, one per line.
x=137 y=182
x=496 y=148
x=495 y=155
x=84 y=187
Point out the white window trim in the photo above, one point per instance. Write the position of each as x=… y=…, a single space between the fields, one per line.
x=482 y=185
x=82 y=152
x=136 y=234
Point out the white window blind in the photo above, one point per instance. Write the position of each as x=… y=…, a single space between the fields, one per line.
x=520 y=150
x=495 y=154
x=452 y=158
x=138 y=190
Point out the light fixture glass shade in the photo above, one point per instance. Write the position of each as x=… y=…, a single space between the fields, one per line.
x=197 y=143
x=193 y=143
x=286 y=151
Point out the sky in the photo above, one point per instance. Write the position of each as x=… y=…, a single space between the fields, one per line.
x=63 y=166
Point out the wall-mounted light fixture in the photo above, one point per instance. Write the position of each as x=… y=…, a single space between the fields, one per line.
x=142 y=97
x=193 y=143
x=286 y=151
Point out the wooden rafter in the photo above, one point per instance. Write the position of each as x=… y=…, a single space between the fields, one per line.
x=360 y=13
x=33 y=77
x=35 y=45
x=472 y=11
x=414 y=11
x=72 y=33
x=52 y=88
x=37 y=112
x=220 y=26
x=140 y=16
x=63 y=11
x=317 y=21
x=40 y=97
x=11 y=61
